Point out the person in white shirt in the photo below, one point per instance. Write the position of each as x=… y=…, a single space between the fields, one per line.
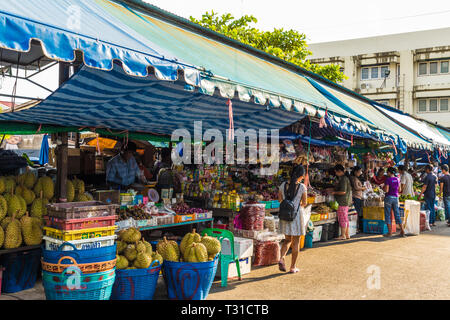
x=406 y=181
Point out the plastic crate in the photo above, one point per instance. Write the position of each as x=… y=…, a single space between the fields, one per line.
x=81 y=210
x=268 y=204
x=310 y=200
x=275 y=204
x=107 y=196
x=373 y=213
x=125 y=224
x=375 y=226
x=315 y=217
x=183 y=218
x=324 y=216
x=92 y=286
x=82 y=256
x=78 y=224
x=79 y=234
x=20 y=270
x=54 y=244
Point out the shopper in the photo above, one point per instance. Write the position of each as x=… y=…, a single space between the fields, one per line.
x=295 y=191
x=379 y=178
x=391 y=188
x=429 y=192
x=406 y=181
x=444 y=191
x=343 y=196
x=357 y=192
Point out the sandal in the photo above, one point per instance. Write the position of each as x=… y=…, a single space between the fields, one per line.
x=282 y=266
x=295 y=270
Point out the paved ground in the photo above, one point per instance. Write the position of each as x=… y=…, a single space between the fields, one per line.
x=416 y=267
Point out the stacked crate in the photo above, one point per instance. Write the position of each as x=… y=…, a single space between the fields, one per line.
x=79 y=235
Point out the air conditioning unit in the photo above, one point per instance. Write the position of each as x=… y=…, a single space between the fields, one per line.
x=365 y=86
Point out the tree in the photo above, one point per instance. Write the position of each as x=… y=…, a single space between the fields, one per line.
x=289 y=45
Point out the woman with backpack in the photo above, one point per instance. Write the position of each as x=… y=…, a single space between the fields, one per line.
x=292 y=195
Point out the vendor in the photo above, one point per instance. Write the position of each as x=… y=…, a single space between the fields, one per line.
x=379 y=178
x=122 y=171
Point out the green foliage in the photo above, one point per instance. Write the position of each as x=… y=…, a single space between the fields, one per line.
x=289 y=45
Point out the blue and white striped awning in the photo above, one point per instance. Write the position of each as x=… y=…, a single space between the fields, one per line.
x=113 y=100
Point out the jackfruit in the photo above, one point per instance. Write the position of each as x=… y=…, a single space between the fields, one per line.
x=2 y=237
x=70 y=191
x=130 y=252
x=212 y=245
x=39 y=208
x=168 y=250
x=122 y=262
x=196 y=252
x=188 y=239
x=10 y=185
x=31 y=230
x=157 y=256
x=148 y=246
x=17 y=206
x=13 y=234
x=78 y=186
x=2 y=184
x=3 y=207
x=131 y=235
x=30 y=180
x=143 y=260
x=28 y=196
x=121 y=245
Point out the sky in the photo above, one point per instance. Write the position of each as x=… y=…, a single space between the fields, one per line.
x=320 y=20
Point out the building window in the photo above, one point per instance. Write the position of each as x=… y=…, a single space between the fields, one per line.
x=384 y=72
x=422 y=69
x=422 y=105
x=433 y=67
x=365 y=73
x=444 y=105
x=444 y=66
x=374 y=73
x=433 y=105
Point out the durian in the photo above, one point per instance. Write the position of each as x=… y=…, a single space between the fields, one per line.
x=2 y=184
x=212 y=245
x=78 y=186
x=168 y=250
x=122 y=262
x=31 y=230
x=70 y=191
x=130 y=252
x=2 y=237
x=3 y=207
x=143 y=260
x=131 y=235
x=17 y=206
x=188 y=239
x=39 y=208
x=13 y=234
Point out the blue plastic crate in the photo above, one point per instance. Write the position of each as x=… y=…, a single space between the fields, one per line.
x=81 y=256
x=275 y=204
x=375 y=226
x=20 y=270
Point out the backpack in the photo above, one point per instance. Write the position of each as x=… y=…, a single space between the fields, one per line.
x=287 y=210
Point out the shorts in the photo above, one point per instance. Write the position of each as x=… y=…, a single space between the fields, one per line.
x=342 y=214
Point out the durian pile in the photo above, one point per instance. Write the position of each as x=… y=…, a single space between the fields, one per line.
x=23 y=201
x=133 y=252
x=193 y=248
x=76 y=192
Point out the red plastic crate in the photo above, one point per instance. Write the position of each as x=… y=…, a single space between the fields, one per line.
x=220 y=226
x=78 y=224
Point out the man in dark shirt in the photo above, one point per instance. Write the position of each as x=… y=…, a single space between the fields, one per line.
x=444 y=191
x=429 y=192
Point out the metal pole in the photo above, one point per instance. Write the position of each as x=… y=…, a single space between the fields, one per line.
x=62 y=146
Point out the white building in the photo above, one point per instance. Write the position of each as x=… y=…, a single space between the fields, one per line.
x=409 y=71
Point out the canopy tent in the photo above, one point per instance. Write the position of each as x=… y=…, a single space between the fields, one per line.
x=425 y=129
x=110 y=99
x=396 y=132
x=142 y=37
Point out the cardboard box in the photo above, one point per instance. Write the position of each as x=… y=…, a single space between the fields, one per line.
x=243 y=247
x=245 y=265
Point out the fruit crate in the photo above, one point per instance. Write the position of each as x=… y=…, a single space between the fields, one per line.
x=167 y=219
x=315 y=217
x=184 y=217
x=86 y=244
x=268 y=204
x=140 y=223
x=79 y=234
x=374 y=226
x=77 y=224
x=81 y=210
x=373 y=213
x=125 y=224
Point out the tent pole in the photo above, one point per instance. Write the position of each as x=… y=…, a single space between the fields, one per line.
x=62 y=146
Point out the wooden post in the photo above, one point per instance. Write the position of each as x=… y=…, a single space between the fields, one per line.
x=62 y=145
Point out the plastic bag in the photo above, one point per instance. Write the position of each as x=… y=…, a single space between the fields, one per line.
x=427 y=220
x=269 y=223
x=269 y=236
x=440 y=214
x=266 y=253
x=252 y=216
